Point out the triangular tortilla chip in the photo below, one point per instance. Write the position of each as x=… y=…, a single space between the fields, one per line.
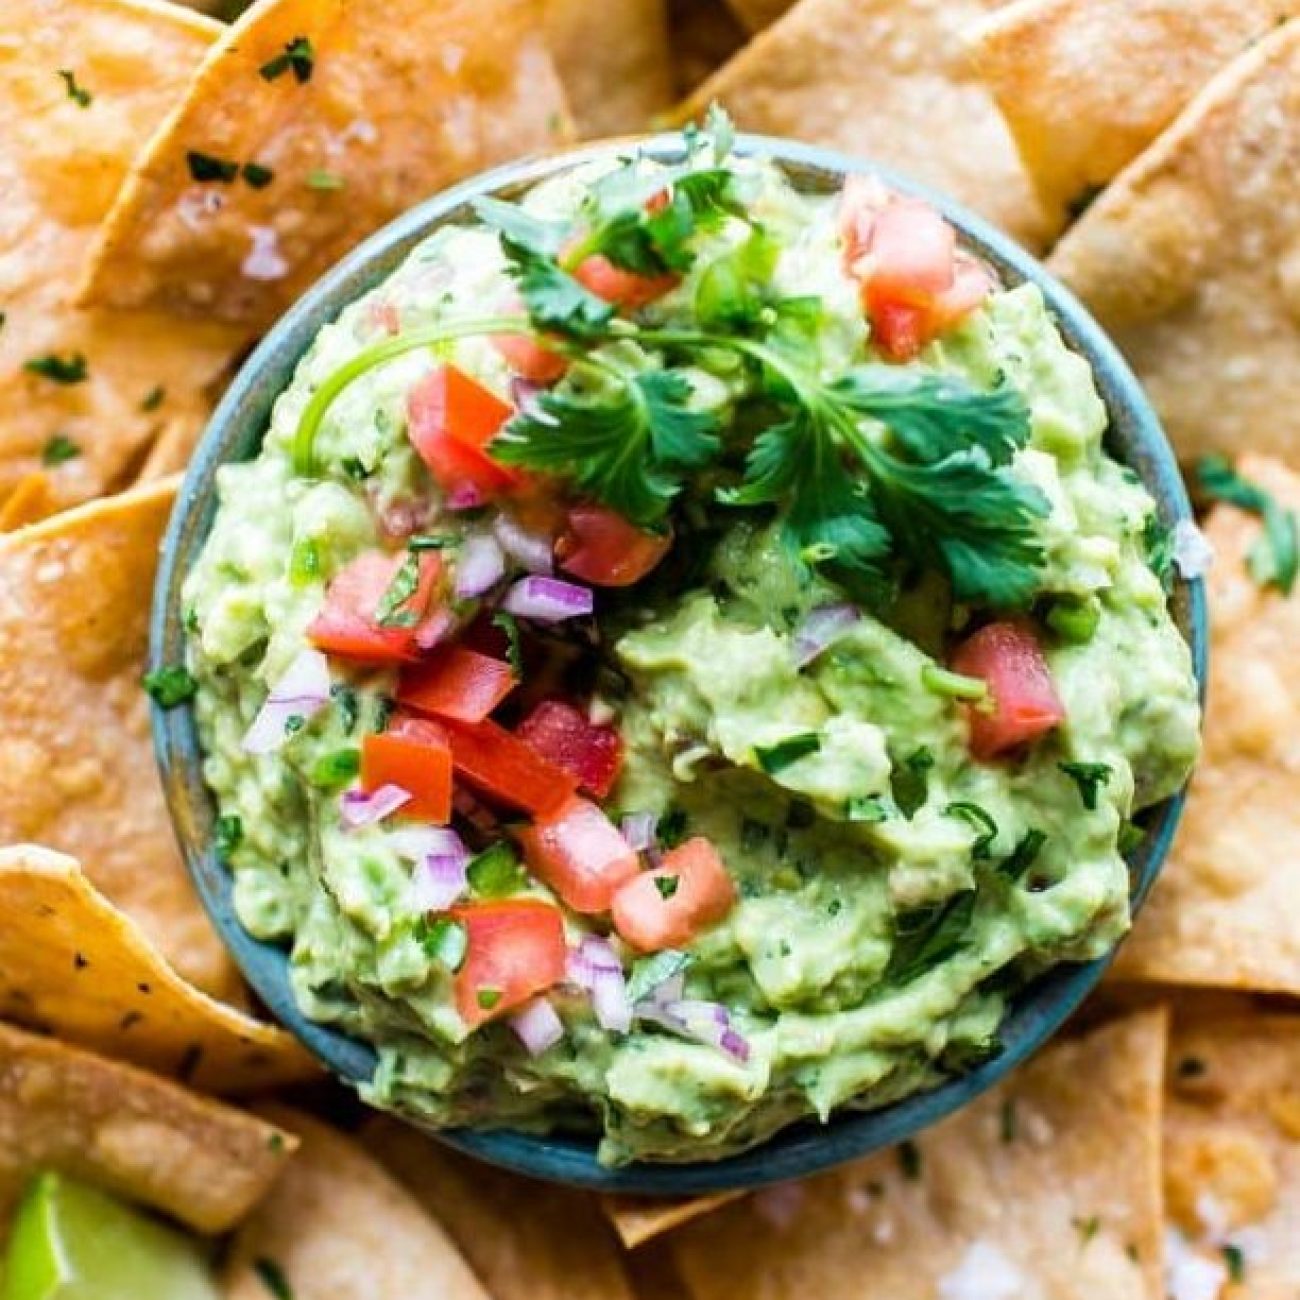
x=1086 y=85
x=1048 y=1186
x=336 y=115
x=202 y=1162
x=705 y=34
x=71 y=964
x=32 y=500
x=889 y=80
x=616 y=69
x=337 y=1227
x=1224 y=910
x=757 y=14
x=638 y=1219
x=526 y=1240
x=78 y=772
x=1191 y=258
x=1232 y=1154
x=84 y=393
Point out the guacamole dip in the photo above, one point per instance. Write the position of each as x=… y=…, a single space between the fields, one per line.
x=683 y=659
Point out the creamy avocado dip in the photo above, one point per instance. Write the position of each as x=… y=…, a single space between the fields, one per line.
x=682 y=660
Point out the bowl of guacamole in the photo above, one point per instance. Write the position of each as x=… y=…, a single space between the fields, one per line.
x=681 y=668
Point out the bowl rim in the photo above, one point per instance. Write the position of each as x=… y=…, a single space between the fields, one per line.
x=806 y=1147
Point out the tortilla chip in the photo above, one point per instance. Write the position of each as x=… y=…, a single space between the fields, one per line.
x=396 y=99
x=1191 y=258
x=1086 y=85
x=705 y=34
x=62 y=163
x=615 y=70
x=79 y=773
x=526 y=1240
x=29 y=502
x=757 y=14
x=202 y=1162
x=888 y=80
x=637 y=1219
x=73 y=965
x=337 y=1227
x=1224 y=910
x=1232 y=1151
x=1050 y=1185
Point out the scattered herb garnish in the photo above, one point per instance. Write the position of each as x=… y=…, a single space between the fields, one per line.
x=911 y=780
x=170 y=685
x=1087 y=1228
x=393 y=609
x=927 y=937
x=205 y=167
x=76 y=92
x=776 y=758
x=1089 y=777
x=1023 y=856
x=228 y=834
x=323 y=180
x=909 y=1159
x=331 y=772
x=1235 y=1260
x=59 y=449
x=273 y=1278
x=667 y=886
x=256 y=175
x=672 y=828
x=1274 y=559
x=496 y=872
x=868 y=808
x=297 y=57
x=443 y=940
x=514 y=649
x=650 y=972
x=488 y=998
x=981 y=821
x=345 y=700
x=153 y=399
x=1131 y=838
x=59 y=370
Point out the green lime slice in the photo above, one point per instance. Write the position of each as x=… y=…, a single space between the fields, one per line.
x=71 y=1242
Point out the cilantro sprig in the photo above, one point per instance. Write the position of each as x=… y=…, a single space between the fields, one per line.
x=1274 y=560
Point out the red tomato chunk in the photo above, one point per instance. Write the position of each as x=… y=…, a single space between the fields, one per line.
x=502 y=768
x=515 y=949
x=601 y=547
x=629 y=290
x=348 y=624
x=668 y=907
x=563 y=735
x=580 y=854
x=413 y=754
x=457 y=683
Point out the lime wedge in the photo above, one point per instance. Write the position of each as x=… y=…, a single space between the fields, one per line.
x=71 y=1242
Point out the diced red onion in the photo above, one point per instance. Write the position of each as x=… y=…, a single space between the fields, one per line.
x=531 y=550
x=610 y=1001
x=481 y=565
x=438 y=881
x=301 y=692
x=464 y=496
x=357 y=808
x=548 y=599
x=1193 y=554
x=538 y=1026
x=419 y=842
x=704 y=1022
x=525 y=392
x=591 y=958
x=820 y=629
x=639 y=830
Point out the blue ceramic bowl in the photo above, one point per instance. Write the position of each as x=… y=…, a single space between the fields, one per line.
x=235 y=433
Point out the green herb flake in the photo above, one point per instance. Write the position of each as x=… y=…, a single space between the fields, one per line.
x=153 y=399
x=488 y=998
x=911 y=781
x=955 y=686
x=297 y=57
x=909 y=1160
x=324 y=181
x=59 y=450
x=496 y=872
x=981 y=821
x=1087 y=1228
x=1023 y=856
x=867 y=809
x=76 y=92
x=273 y=1278
x=776 y=758
x=926 y=937
x=170 y=685
x=304 y=562
x=332 y=772
x=394 y=608
x=667 y=886
x=58 y=369
x=650 y=972
x=1131 y=838
x=228 y=835
x=1089 y=777
x=672 y=827
x=1274 y=560
x=256 y=175
x=514 y=647
x=1234 y=1259
x=345 y=701
x=443 y=941
x=206 y=168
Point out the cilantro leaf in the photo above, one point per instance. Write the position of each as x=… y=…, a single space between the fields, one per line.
x=928 y=936
x=628 y=444
x=59 y=370
x=1089 y=777
x=555 y=301
x=59 y=449
x=76 y=92
x=979 y=820
x=170 y=685
x=513 y=222
x=297 y=57
x=1274 y=560
x=205 y=167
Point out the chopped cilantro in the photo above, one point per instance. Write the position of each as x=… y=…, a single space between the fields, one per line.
x=650 y=972
x=297 y=57
x=273 y=1278
x=514 y=648
x=909 y=1159
x=331 y=772
x=776 y=758
x=928 y=936
x=345 y=700
x=394 y=608
x=76 y=92
x=59 y=370
x=667 y=886
x=204 y=167
x=170 y=685
x=1274 y=560
x=981 y=821
x=868 y=808
x=1131 y=838
x=1089 y=777
x=1087 y=1228
x=1235 y=1260
x=228 y=834
x=672 y=828
x=432 y=542
x=320 y=179
x=304 y=562
x=153 y=399
x=911 y=781
x=59 y=449
x=496 y=872
x=488 y=998
x=256 y=175
x=355 y=468
x=443 y=940
x=1074 y=620
x=1023 y=856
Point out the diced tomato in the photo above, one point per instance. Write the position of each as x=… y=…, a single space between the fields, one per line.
x=348 y=623
x=1024 y=701
x=911 y=251
x=580 y=854
x=668 y=907
x=565 y=736
x=900 y=330
x=629 y=290
x=861 y=202
x=601 y=547
x=515 y=949
x=504 y=769
x=451 y=418
x=456 y=683
x=529 y=359
x=413 y=753
x=971 y=284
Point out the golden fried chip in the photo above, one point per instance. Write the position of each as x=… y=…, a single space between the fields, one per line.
x=83 y=83
x=1191 y=258
x=615 y=67
x=525 y=1240
x=1086 y=85
x=705 y=34
x=79 y=773
x=1047 y=1186
x=637 y=1219
x=1232 y=1154
x=202 y=1162
x=30 y=501
x=310 y=124
x=1223 y=912
x=888 y=80
x=73 y=965
x=337 y=1227
x=757 y=14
